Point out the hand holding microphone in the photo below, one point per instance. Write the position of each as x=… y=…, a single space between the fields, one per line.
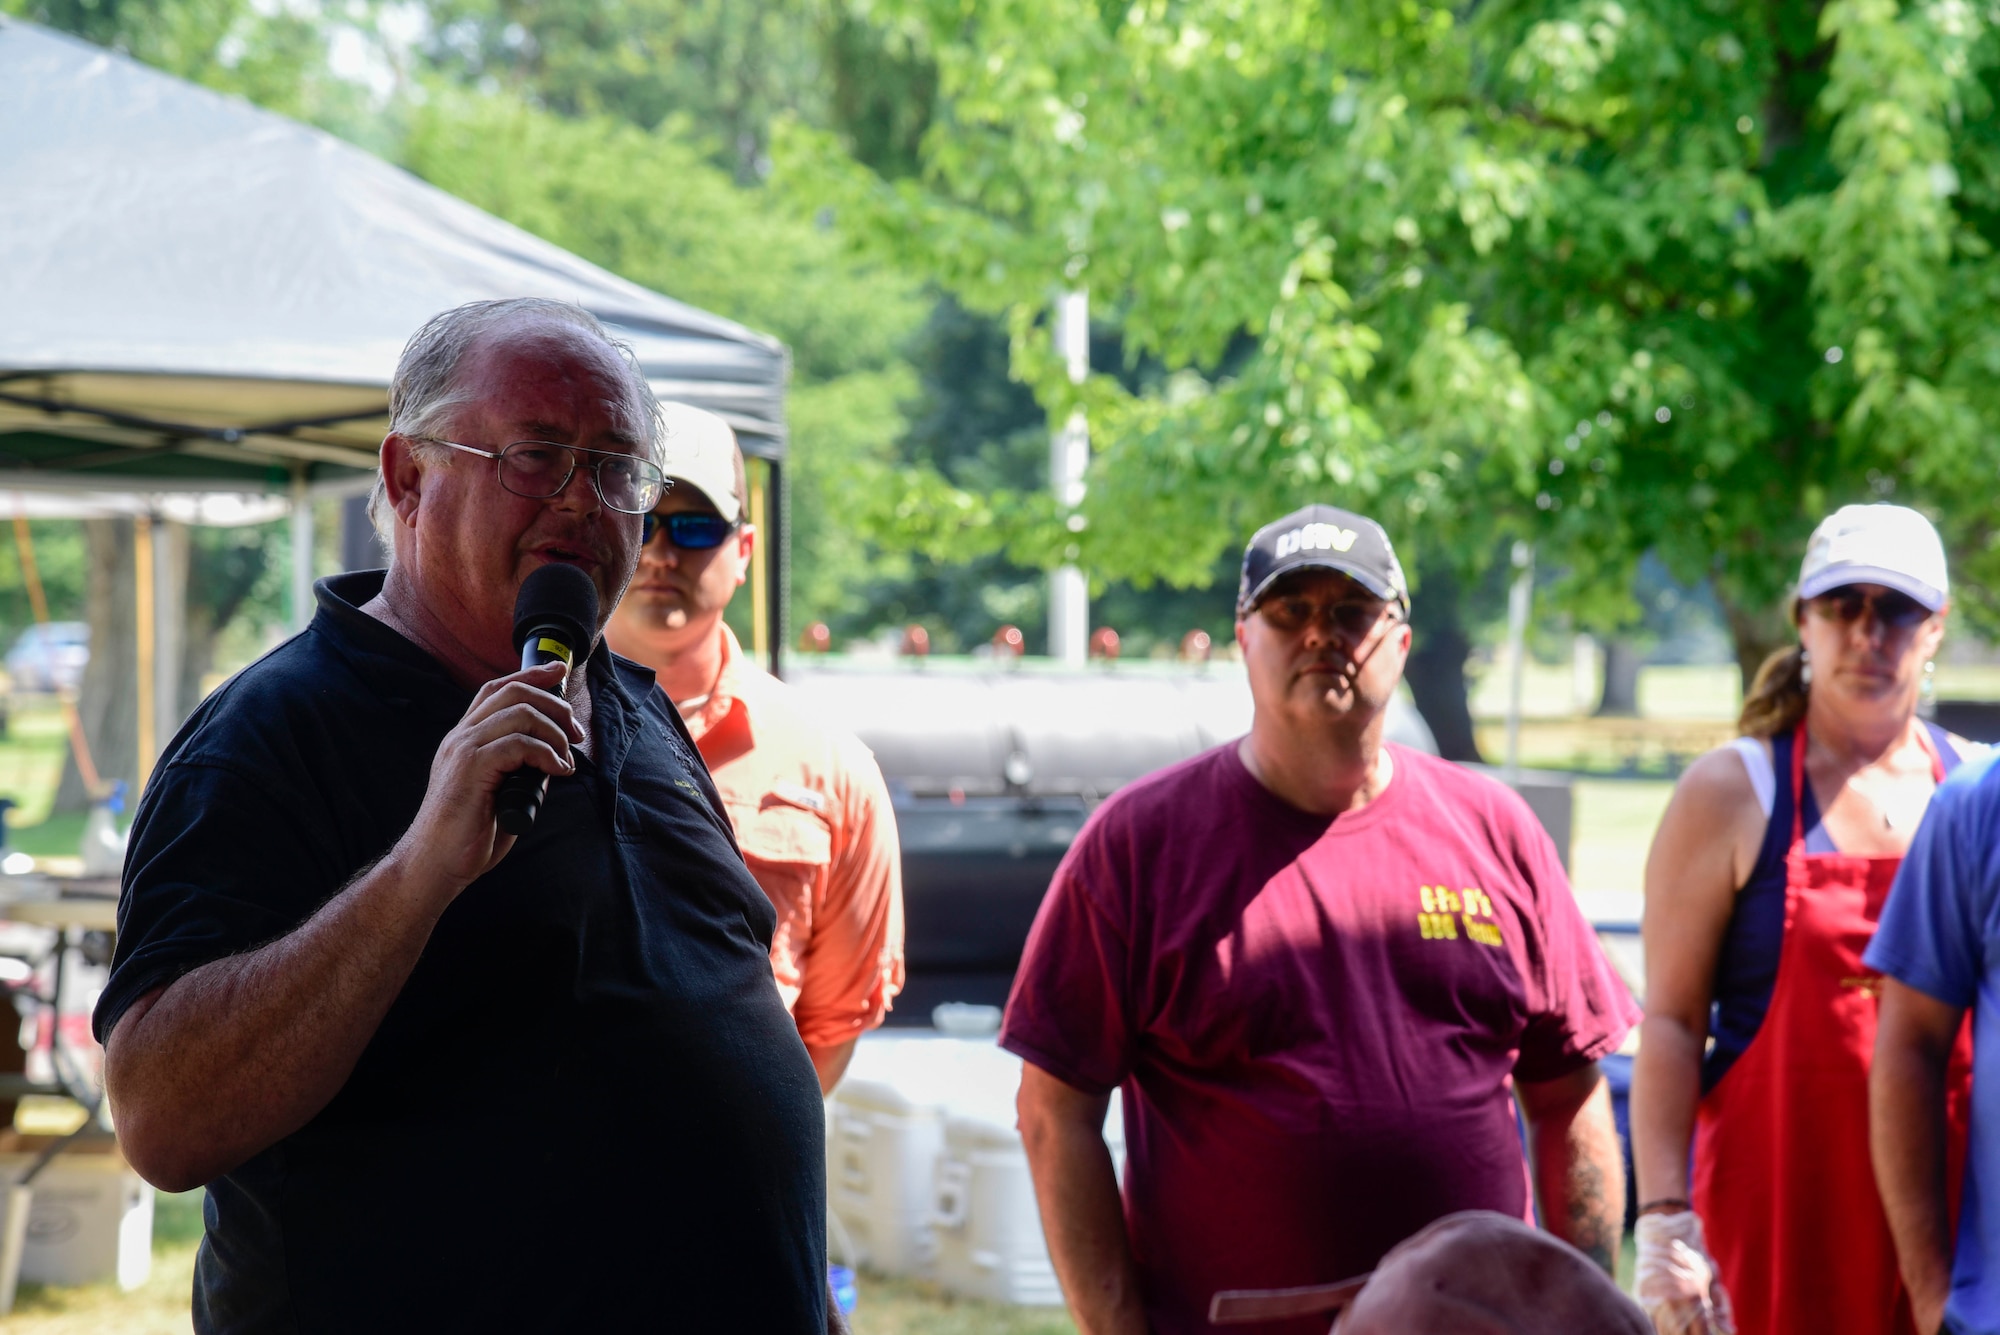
x=492 y=770
x=555 y=615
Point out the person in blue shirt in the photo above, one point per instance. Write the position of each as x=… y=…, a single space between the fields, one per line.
x=1936 y=946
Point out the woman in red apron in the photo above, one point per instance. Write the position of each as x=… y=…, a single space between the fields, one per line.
x=1765 y=882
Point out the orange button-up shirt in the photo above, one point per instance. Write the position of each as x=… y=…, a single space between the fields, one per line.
x=813 y=819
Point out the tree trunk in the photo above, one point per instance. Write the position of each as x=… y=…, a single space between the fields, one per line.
x=1436 y=670
x=109 y=698
x=171 y=557
x=1758 y=632
x=224 y=565
x=1622 y=661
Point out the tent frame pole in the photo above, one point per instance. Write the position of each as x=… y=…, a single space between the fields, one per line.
x=143 y=628
x=760 y=564
x=777 y=563
x=302 y=551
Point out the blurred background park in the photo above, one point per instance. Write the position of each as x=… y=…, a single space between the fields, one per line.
x=1607 y=301
x=1642 y=289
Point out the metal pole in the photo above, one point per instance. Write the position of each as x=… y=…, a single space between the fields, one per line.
x=1069 y=456
x=761 y=639
x=302 y=551
x=148 y=684
x=170 y=567
x=779 y=555
x=1520 y=601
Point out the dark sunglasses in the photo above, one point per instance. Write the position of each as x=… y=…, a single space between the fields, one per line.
x=1352 y=619
x=690 y=530
x=1849 y=603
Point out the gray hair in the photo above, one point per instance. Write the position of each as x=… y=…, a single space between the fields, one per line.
x=425 y=391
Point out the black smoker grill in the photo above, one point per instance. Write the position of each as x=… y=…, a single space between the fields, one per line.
x=993 y=772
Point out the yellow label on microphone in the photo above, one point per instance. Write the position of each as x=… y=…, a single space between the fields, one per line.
x=555 y=648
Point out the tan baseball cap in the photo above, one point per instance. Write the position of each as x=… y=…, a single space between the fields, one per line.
x=1481 y=1273
x=1471 y=1273
x=701 y=453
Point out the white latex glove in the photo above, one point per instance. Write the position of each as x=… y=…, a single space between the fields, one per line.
x=1676 y=1281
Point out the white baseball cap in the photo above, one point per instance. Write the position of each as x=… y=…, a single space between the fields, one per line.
x=1890 y=545
x=701 y=453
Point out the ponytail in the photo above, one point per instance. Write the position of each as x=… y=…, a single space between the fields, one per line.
x=1777 y=699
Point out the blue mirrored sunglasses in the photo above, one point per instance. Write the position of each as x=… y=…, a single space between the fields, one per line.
x=690 y=530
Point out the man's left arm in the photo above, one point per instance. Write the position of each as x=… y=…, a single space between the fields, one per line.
x=853 y=964
x=1931 y=948
x=1579 y=1170
x=1578 y=1011
x=1907 y=1139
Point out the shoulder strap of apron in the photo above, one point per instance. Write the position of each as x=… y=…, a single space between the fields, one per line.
x=1798 y=784
x=1799 y=773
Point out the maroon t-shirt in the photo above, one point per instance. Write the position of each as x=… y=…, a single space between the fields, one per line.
x=1315 y=1020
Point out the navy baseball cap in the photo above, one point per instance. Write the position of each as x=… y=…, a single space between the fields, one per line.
x=1321 y=537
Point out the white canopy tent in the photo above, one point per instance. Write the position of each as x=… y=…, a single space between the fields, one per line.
x=213 y=509
x=185 y=259
x=196 y=294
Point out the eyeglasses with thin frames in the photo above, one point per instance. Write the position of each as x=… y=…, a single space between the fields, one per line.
x=539 y=469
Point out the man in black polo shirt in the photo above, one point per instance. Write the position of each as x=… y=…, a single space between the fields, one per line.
x=433 y=1077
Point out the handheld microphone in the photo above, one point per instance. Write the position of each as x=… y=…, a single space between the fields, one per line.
x=555 y=615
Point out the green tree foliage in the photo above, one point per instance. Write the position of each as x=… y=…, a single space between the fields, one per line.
x=640 y=92
x=1616 y=276
x=59 y=559
x=728 y=68
x=601 y=127
x=648 y=204
x=274 y=55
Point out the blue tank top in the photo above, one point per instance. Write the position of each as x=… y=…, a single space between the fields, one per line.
x=1746 y=970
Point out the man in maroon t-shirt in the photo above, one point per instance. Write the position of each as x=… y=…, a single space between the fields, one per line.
x=1324 y=970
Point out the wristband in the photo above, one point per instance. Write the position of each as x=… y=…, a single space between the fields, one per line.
x=1666 y=1205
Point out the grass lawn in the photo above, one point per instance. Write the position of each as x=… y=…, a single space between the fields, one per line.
x=1968 y=681
x=31 y=759
x=1614 y=822
x=909 y=1307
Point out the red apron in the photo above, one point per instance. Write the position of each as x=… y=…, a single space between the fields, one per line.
x=1783 y=1181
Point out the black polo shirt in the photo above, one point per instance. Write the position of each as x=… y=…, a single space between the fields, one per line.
x=587 y=1110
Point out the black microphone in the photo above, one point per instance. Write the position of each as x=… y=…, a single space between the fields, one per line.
x=555 y=616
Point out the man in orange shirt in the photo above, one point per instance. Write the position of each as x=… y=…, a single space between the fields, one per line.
x=810 y=809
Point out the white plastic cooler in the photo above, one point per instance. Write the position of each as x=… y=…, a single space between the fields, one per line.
x=989 y=1233
x=881 y=1147
x=925 y=1171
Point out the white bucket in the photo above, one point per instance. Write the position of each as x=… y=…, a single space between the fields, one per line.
x=91 y=1220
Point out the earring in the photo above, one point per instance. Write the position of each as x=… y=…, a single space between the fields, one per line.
x=1928 y=693
x=1805 y=667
